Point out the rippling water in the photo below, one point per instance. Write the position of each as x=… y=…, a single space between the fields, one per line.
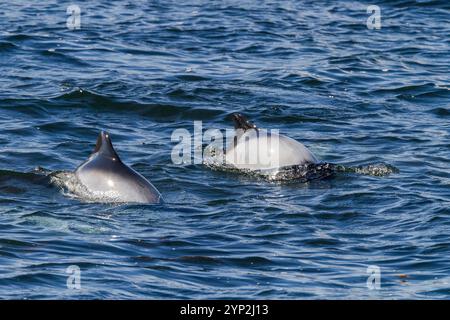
x=312 y=69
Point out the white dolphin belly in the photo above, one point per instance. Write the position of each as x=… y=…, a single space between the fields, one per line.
x=261 y=150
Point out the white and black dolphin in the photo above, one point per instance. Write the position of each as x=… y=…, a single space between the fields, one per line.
x=106 y=176
x=278 y=157
x=259 y=149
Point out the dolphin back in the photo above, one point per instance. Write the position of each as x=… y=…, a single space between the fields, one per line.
x=108 y=178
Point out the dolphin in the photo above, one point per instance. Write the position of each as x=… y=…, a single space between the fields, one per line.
x=258 y=149
x=104 y=175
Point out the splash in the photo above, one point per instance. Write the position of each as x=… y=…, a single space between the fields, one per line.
x=71 y=187
x=213 y=158
x=376 y=170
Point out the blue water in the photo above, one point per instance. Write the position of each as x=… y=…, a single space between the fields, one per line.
x=312 y=69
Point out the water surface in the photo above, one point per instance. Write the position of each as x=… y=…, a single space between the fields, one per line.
x=312 y=69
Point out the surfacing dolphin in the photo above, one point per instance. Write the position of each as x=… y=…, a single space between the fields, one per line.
x=106 y=176
x=276 y=157
x=259 y=149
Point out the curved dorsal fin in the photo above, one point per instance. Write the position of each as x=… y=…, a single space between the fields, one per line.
x=241 y=122
x=104 y=146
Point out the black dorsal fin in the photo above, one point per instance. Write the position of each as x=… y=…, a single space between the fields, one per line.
x=241 y=122
x=104 y=146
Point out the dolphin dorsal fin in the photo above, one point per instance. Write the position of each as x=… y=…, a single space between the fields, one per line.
x=241 y=122
x=104 y=146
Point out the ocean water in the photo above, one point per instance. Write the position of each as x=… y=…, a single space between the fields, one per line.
x=357 y=97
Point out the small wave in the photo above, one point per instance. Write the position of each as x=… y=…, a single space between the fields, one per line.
x=441 y=112
x=33 y=177
x=6 y=242
x=84 y=98
x=63 y=58
x=6 y=46
x=20 y=37
x=191 y=78
x=136 y=51
x=252 y=261
x=426 y=88
x=19 y=184
x=414 y=3
x=307 y=80
x=83 y=95
x=424 y=92
x=201 y=260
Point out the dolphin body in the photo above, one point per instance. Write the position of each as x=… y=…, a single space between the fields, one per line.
x=258 y=149
x=106 y=176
